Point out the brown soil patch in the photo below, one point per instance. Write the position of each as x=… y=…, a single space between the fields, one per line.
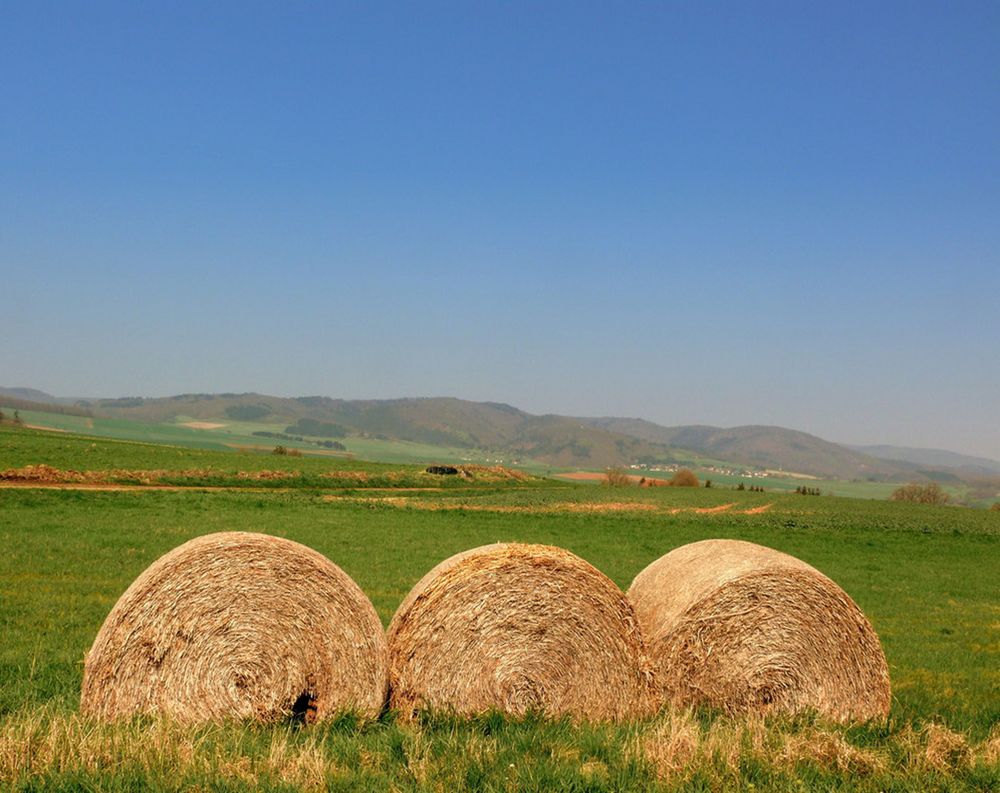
x=201 y=425
x=47 y=475
x=491 y=473
x=350 y=476
x=606 y=506
x=584 y=476
x=43 y=427
x=445 y=506
x=757 y=510
x=106 y=486
x=261 y=476
x=594 y=476
x=789 y=474
x=714 y=510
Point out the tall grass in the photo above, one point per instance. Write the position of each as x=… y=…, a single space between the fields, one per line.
x=676 y=750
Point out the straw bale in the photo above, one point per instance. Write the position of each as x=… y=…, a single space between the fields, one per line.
x=749 y=629
x=518 y=628
x=238 y=625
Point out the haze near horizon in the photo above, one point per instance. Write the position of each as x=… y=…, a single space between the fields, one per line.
x=717 y=214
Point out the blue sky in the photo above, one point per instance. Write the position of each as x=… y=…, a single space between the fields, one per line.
x=725 y=213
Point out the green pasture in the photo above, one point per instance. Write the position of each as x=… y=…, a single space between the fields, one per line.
x=198 y=466
x=926 y=577
x=236 y=434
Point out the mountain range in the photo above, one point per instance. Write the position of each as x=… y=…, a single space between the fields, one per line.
x=557 y=440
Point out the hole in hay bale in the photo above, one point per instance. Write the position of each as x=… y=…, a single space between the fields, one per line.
x=304 y=709
x=765 y=696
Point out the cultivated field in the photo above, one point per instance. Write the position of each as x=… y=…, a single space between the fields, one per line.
x=239 y=436
x=925 y=576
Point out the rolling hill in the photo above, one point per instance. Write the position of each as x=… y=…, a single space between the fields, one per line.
x=766 y=447
x=932 y=458
x=442 y=421
x=515 y=434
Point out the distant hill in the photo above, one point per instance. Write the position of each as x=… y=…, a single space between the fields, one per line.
x=552 y=439
x=932 y=458
x=443 y=421
x=764 y=447
x=29 y=394
x=15 y=403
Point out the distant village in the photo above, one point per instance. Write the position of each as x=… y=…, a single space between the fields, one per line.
x=674 y=467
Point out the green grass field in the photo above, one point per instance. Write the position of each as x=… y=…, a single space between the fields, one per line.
x=926 y=577
x=239 y=434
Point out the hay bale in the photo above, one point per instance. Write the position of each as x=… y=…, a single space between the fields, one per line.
x=518 y=628
x=238 y=626
x=749 y=629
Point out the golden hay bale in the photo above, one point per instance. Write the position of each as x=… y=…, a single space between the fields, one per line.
x=518 y=628
x=746 y=628
x=238 y=626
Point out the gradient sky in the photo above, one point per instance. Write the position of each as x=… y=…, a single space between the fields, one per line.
x=726 y=213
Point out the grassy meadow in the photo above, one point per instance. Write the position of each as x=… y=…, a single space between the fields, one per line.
x=925 y=576
x=238 y=435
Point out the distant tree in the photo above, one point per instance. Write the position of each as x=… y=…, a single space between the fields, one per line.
x=247 y=412
x=708 y=483
x=685 y=477
x=280 y=450
x=995 y=507
x=616 y=477
x=1 y=417
x=17 y=418
x=921 y=494
x=741 y=486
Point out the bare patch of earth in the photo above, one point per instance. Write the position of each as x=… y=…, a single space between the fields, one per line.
x=402 y=502
x=595 y=476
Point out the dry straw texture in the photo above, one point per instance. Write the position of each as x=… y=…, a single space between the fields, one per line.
x=518 y=628
x=749 y=629
x=238 y=626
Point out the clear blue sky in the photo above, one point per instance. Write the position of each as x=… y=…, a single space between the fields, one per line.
x=726 y=213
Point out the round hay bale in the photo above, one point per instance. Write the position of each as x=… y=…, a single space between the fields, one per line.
x=750 y=629
x=238 y=626
x=518 y=628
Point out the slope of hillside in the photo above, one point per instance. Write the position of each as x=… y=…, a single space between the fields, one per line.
x=29 y=394
x=443 y=421
x=550 y=439
x=763 y=446
x=931 y=458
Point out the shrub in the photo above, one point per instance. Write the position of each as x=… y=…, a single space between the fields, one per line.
x=684 y=478
x=922 y=494
x=616 y=477
x=995 y=507
x=280 y=450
